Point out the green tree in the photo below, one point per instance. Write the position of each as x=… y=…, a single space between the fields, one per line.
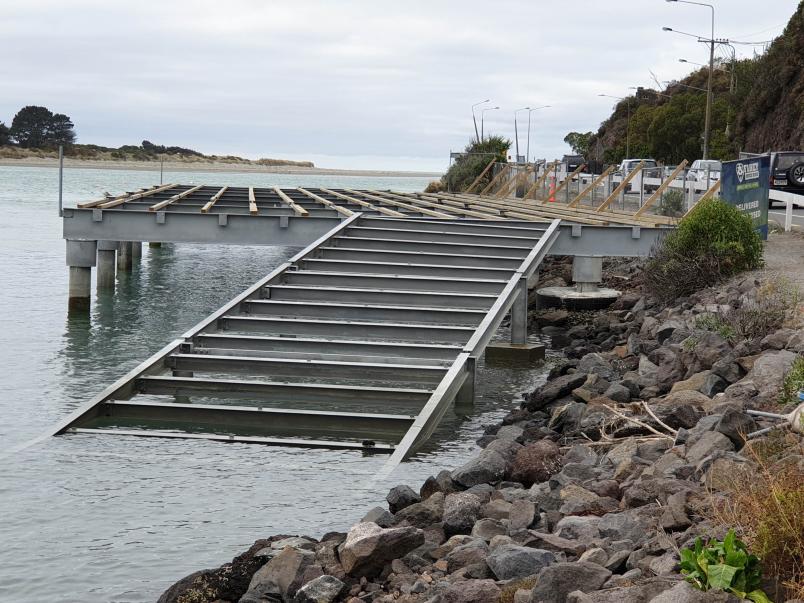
x=476 y=157
x=5 y=134
x=579 y=142
x=61 y=130
x=38 y=127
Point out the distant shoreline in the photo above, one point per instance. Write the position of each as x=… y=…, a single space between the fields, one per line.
x=207 y=166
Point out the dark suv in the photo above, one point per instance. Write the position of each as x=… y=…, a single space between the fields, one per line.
x=787 y=171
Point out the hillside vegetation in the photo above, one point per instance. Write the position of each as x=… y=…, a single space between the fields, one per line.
x=758 y=105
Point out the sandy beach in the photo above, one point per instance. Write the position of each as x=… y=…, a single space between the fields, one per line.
x=203 y=166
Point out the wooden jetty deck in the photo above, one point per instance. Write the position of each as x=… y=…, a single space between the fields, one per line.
x=360 y=341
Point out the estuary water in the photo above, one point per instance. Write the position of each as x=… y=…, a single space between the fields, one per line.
x=92 y=518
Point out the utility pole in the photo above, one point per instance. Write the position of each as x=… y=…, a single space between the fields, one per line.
x=474 y=119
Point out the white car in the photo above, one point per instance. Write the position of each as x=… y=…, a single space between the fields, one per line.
x=700 y=167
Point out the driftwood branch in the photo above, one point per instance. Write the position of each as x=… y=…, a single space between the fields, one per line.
x=636 y=422
x=658 y=420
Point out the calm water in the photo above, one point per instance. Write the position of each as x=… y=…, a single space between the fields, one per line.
x=87 y=518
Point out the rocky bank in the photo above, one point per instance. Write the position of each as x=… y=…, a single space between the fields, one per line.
x=584 y=494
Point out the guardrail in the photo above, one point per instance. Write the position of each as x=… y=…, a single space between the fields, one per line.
x=790 y=200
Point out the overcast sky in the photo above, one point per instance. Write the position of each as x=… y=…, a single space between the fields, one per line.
x=348 y=83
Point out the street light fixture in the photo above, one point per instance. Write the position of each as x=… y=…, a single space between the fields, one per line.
x=627 y=100
x=482 y=119
x=527 y=150
x=516 y=131
x=474 y=119
x=711 y=42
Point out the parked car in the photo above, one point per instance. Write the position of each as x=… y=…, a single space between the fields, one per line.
x=700 y=167
x=573 y=162
x=650 y=169
x=787 y=171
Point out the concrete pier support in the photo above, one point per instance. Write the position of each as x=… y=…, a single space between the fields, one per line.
x=81 y=257
x=107 y=251
x=587 y=272
x=519 y=352
x=136 y=251
x=124 y=256
x=465 y=398
x=154 y=244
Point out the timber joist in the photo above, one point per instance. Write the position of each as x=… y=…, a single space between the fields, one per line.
x=360 y=341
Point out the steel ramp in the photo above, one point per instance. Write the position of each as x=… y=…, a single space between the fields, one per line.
x=360 y=341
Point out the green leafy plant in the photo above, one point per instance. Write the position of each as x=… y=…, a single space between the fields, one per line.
x=673 y=203
x=716 y=324
x=726 y=565
x=793 y=382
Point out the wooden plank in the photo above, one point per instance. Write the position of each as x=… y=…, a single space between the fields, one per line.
x=540 y=180
x=658 y=193
x=591 y=187
x=120 y=201
x=298 y=209
x=529 y=211
x=421 y=210
x=566 y=181
x=494 y=180
x=252 y=202
x=621 y=187
x=213 y=200
x=709 y=193
x=174 y=198
x=434 y=200
x=477 y=180
x=122 y=197
x=512 y=184
x=366 y=204
x=326 y=202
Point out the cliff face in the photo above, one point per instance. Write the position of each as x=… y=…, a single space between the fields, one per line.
x=772 y=115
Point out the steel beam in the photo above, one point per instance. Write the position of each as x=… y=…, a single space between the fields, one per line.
x=437 y=270
x=391 y=281
x=379 y=296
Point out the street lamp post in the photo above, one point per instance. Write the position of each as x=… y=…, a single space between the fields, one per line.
x=474 y=119
x=711 y=42
x=516 y=131
x=527 y=147
x=627 y=100
x=482 y=120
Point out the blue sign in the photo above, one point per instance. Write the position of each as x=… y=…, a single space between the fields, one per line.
x=744 y=183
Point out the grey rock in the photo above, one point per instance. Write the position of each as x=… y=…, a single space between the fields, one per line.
x=712 y=385
x=400 y=497
x=510 y=561
x=368 y=547
x=727 y=369
x=578 y=528
x=423 y=514
x=768 y=373
x=461 y=510
x=471 y=591
x=521 y=516
x=485 y=468
x=684 y=592
x=777 y=340
x=707 y=444
x=282 y=575
x=554 y=389
x=556 y=582
x=496 y=509
x=380 y=516
x=618 y=393
x=487 y=529
x=324 y=589
x=736 y=425
x=595 y=555
x=467 y=554
x=596 y=364
x=551 y=542
x=625 y=593
x=632 y=524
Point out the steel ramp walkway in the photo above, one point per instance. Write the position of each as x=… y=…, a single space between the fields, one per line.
x=360 y=341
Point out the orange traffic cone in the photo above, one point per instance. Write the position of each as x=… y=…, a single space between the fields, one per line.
x=552 y=197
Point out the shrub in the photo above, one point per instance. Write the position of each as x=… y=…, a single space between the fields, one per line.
x=764 y=504
x=793 y=382
x=673 y=203
x=436 y=186
x=469 y=166
x=726 y=565
x=714 y=241
x=776 y=300
x=716 y=324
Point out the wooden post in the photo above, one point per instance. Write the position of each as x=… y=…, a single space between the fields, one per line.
x=252 y=201
x=477 y=180
x=616 y=192
x=567 y=180
x=656 y=195
x=494 y=180
x=591 y=187
x=540 y=180
x=213 y=200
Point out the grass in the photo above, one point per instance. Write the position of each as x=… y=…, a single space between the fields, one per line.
x=765 y=506
x=716 y=324
x=775 y=303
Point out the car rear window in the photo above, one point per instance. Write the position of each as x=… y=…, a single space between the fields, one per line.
x=786 y=161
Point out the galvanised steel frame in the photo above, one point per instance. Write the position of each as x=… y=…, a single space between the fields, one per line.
x=380 y=312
